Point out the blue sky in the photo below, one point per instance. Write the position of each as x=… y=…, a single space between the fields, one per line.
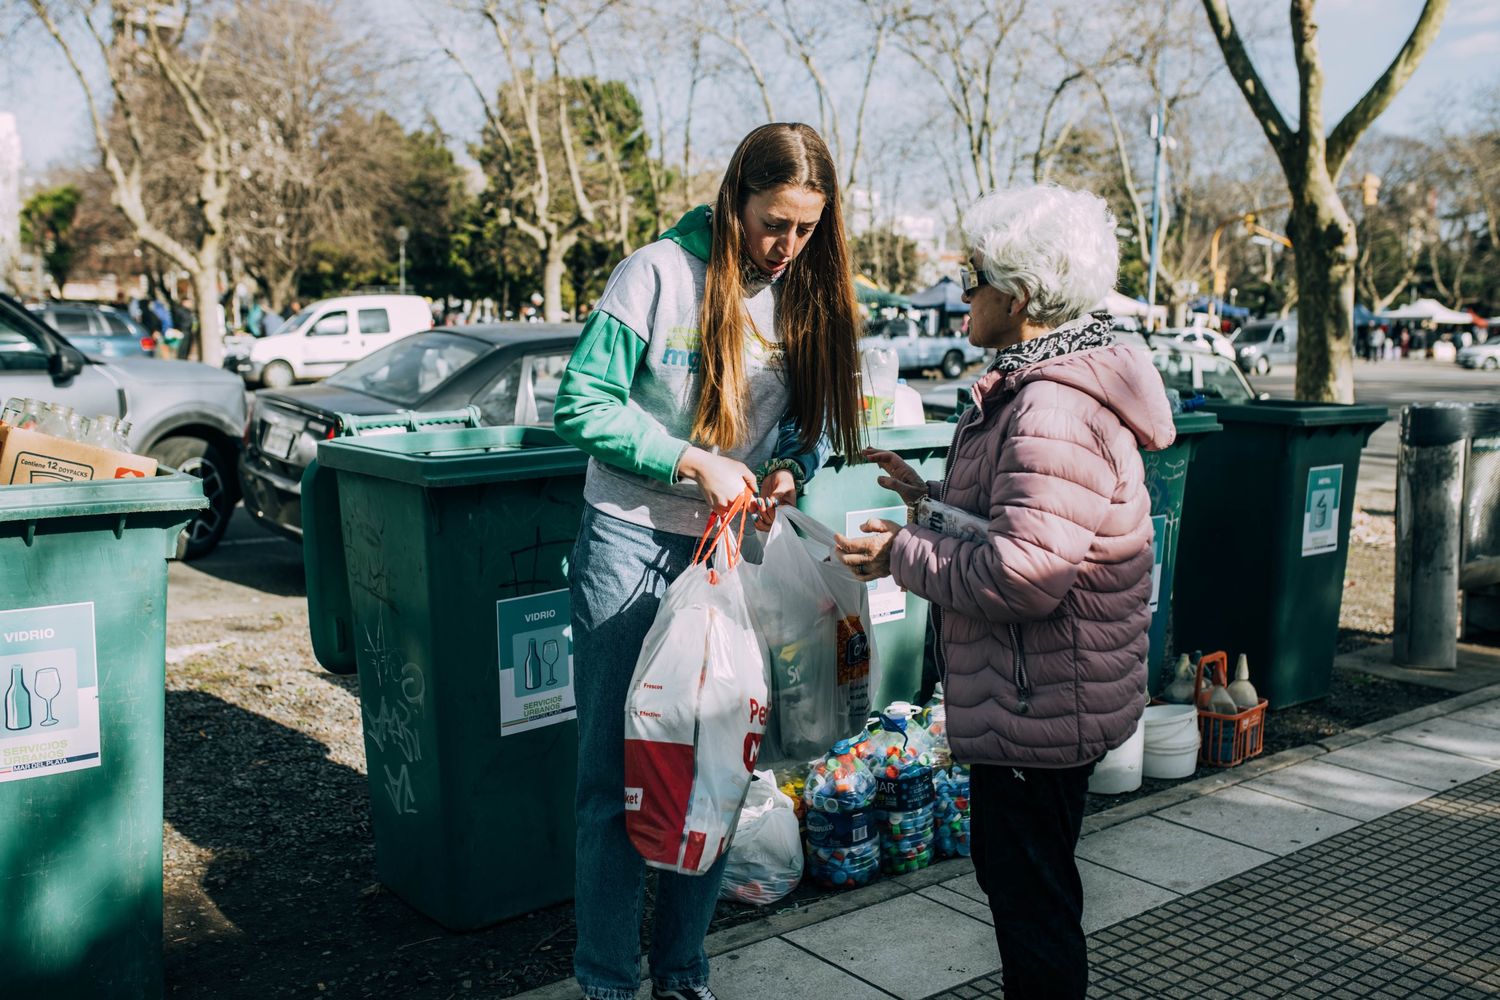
x=1357 y=38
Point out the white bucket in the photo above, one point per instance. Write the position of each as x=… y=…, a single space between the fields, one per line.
x=1175 y=759
x=1166 y=725
x=1119 y=771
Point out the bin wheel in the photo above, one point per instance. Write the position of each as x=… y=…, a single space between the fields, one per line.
x=277 y=375
x=953 y=364
x=1490 y=364
x=1262 y=366
x=199 y=458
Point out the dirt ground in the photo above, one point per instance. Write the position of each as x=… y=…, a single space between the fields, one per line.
x=270 y=869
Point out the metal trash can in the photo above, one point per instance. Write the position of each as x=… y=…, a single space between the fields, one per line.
x=1265 y=530
x=455 y=547
x=83 y=602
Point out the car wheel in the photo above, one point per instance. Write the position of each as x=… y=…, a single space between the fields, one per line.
x=1490 y=364
x=1262 y=366
x=197 y=457
x=953 y=365
x=277 y=375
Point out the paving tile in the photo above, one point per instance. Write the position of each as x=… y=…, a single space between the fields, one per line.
x=1255 y=819
x=1168 y=855
x=959 y=901
x=1408 y=762
x=1452 y=736
x=910 y=947
x=1109 y=897
x=1341 y=790
x=777 y=968
x=1486 y=714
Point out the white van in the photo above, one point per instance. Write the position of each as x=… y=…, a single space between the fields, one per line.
x=325 y=337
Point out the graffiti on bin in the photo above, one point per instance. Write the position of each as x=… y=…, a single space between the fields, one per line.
x=393 y=732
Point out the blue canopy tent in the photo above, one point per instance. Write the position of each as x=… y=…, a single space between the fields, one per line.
x=1363 y=316
x=1201 y=304
x=945 y=295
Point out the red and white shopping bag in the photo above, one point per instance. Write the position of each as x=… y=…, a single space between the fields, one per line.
x=696 y=711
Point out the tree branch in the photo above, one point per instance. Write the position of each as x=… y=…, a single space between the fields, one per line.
x=1384 y=90
x=1282 y=139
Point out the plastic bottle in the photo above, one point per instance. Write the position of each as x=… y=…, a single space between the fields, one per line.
x=878 y=370
x=1184 y=678
x=1241 y=690
x=908 y=410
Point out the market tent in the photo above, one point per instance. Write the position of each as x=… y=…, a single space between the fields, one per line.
x=1221 y=307
x=1123 y=305
x=871 y=294
x=945 y=295
x=1430 y=310
x=1363 y=316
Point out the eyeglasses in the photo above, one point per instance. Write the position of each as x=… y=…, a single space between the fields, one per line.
x=970 y=278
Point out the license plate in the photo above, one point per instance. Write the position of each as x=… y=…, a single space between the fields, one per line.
x=277 y=441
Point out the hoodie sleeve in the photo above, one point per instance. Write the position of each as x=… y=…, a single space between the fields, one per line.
x=789 y=445
x=1054 y=484
x=591 y=414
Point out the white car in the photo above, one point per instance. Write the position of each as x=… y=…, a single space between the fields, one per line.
x=1199 y=336
x=1486 y=356
x=325 y=337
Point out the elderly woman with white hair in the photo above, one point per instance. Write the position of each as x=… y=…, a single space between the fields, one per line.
x=1041 y=624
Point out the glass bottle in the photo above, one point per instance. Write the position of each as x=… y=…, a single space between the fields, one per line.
x=31 y=415
x=54 y=419
x=12 y=413
x=17 y=701
x=121 y=440
x=101 y=432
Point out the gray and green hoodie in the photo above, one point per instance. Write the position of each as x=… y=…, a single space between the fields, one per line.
x=630 y=392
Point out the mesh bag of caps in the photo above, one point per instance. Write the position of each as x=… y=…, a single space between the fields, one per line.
x=898 y=751
x=950 y=783
x=843 y=849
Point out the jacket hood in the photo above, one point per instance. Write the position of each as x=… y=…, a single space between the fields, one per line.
x=1120 y=377
x=693 y=232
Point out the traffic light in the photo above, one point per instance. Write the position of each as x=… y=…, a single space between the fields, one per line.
x=1369 y=189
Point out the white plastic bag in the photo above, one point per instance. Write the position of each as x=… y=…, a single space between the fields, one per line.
x=695 y=716
x=858 y=660
x=765 y=860
x=798 y=620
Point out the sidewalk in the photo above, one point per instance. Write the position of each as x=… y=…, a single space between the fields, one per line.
x=1367 y=865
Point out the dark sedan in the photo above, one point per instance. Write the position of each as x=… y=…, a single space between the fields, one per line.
x=509 y=371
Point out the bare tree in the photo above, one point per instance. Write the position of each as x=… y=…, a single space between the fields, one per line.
x=155 y=40
x=1321 y=230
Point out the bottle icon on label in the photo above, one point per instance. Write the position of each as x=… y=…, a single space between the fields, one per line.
x=532 y=667
x=17 y=701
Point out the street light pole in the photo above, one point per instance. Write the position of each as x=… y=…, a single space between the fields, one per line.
x=1159 y=133
x=402 y=234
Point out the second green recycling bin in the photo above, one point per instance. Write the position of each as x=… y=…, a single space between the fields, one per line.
x=1265 y=529
x=83 y=594
x=455 y=546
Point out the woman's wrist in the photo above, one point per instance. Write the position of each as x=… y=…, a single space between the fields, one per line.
x=788 y=465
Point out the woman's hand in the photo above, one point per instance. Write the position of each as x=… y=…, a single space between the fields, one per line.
x=722 y=480
x=780 y=487
x=868 y=557
x=899 y=478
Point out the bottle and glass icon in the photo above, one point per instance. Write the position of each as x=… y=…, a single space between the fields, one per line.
x=47 y=684
x=531 y=667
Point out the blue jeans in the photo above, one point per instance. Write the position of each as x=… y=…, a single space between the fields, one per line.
x=617 y=576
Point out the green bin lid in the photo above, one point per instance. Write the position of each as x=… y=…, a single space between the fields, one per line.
x=933 y=434
x=166 y=491
x=1294 y=413
x=1196 y=422
x=456 y=457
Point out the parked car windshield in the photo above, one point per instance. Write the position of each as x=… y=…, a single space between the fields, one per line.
x=294 y=323
x=411 y=368
x=1254 y=333
x=1193 y=370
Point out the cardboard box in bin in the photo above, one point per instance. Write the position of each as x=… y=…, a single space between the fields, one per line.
x=30 y=458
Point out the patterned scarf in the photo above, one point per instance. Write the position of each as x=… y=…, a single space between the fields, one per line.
x=1082 y=334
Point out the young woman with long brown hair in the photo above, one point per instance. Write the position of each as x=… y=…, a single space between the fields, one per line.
x=723 y=357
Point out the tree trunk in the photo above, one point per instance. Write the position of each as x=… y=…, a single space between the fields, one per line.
x=552 y=272
x=210 y=326
x=1326 y=249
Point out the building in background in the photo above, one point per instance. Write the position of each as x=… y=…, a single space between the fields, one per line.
x=10 y=202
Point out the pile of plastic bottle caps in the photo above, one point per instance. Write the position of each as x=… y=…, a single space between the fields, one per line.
x=950 y=782
x=898 y=752
x=843 y=849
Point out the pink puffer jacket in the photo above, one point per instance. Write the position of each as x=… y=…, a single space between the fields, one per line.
x=1043 y=626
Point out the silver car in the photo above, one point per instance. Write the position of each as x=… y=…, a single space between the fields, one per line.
x=1486 y=356
x=183 y=414
x=1264 y=343
x=916 y=349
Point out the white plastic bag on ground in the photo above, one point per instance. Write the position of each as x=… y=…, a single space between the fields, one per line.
x=765 y=860
x=798 y=619
x=695 y=717
x=858 y=660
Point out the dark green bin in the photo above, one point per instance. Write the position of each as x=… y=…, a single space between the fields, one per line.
x=1265 y=530
x=441 y=533
x=85 y=579
x=1166 y=483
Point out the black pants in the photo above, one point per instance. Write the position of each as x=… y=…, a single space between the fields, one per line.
x=1025 y=824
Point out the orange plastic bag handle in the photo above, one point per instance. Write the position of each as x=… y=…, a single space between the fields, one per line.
x=718 y=527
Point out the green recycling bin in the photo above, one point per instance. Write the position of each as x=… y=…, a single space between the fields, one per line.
x=843 y=496
x=455 y=546
x=83 y=597
x=1265 y=530
x=1166 y=483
